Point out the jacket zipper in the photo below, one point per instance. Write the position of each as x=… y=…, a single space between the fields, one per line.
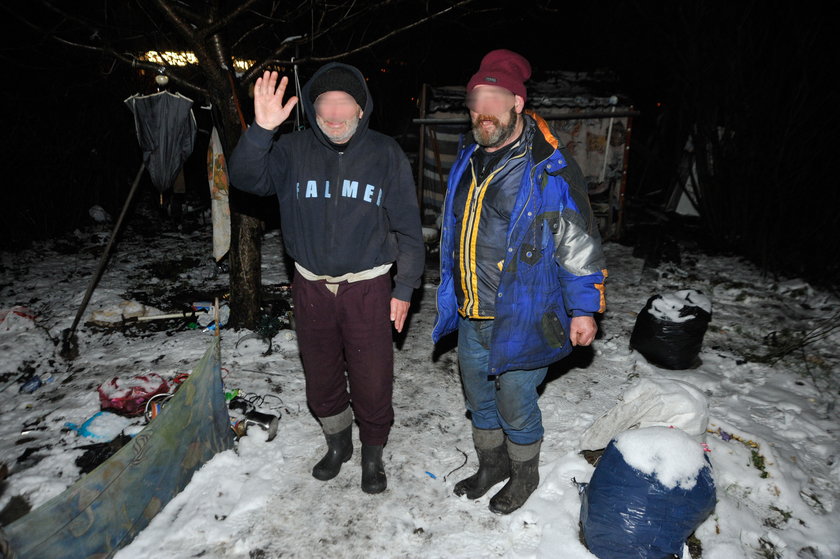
x=440 y=256
x=334 y=194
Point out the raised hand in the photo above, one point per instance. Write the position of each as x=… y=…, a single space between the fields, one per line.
x=269 y=110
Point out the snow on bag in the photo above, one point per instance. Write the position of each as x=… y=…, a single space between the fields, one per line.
x=128 y=396
x=650 y=403
x=669 y=331
x=650 y=490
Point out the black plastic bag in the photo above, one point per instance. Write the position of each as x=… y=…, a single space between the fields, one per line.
x=669 y=331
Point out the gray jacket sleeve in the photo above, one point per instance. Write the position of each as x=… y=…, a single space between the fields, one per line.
x=577 y=241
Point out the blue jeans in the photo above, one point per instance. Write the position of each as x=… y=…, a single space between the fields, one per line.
x=513 y=407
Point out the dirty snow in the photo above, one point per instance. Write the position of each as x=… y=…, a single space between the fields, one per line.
x=769 y=371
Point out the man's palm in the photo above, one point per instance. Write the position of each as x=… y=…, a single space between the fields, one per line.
x=269 y=110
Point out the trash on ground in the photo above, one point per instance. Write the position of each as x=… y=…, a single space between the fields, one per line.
x=128 y=396
x=651 y=489
x=670 y=328
x=650 y=403
x=102 y=426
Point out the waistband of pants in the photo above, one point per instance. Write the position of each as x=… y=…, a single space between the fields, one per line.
x=349 y=277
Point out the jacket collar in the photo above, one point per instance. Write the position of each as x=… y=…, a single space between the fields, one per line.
x=546 y=145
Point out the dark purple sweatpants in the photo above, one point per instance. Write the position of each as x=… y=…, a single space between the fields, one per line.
x=349 y=331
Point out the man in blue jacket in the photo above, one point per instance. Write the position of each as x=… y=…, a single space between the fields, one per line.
x=348 y=212
x=522 y=273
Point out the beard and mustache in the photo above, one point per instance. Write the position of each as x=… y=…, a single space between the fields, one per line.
x=497 y=135
x=339 y=136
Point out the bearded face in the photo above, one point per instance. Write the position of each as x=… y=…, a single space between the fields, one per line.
x=337 y=115
x=338 y=131
x=492 y=131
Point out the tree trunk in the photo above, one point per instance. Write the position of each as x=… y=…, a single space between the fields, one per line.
x=245 y=268
x=246 y=227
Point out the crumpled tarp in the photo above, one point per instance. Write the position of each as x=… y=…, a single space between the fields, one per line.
x=107 y=508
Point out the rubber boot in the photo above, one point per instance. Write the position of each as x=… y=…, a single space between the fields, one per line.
x=493 y=463
x=338 y=431
x=524 y=478
x=373 y=471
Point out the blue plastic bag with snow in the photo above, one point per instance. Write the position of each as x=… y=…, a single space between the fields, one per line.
x=627 y=514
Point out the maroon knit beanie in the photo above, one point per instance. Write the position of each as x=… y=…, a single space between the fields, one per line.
x=503 y=68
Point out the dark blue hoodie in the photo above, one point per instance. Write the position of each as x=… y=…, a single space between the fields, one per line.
x=343 y=209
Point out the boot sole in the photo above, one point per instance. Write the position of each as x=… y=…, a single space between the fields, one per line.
x=375 y=490
x=496 y=507
x=477 y=493
x=326 y=476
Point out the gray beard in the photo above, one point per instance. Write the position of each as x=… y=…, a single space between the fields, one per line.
x=500 y=136
x=344 y=138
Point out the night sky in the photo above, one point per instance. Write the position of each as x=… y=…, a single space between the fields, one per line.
x=68 y=139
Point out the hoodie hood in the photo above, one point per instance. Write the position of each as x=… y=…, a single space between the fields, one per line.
x=309 y=107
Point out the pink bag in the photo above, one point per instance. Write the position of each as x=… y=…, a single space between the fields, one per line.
x=128 y=396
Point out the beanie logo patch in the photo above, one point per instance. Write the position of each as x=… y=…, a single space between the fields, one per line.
x=490 y=79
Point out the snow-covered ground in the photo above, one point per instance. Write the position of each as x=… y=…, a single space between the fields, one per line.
x=772 y=422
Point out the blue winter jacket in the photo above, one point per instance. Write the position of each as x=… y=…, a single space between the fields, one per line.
x=554 y=266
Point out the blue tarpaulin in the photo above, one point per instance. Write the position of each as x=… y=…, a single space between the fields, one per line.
x=108 y=507
x=627 y=514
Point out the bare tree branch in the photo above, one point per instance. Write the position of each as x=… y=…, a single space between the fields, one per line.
x=183 y=27
x=186 y=12
x=392 y=33
x=126 y=58
x=223 y=21
x=132 y=61
x=258 y=68
x=71 y=17
x=212 y=65
x=270 y=19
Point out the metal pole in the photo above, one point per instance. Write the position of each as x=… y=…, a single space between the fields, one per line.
x=623 y=188
x=607 y=147
x=568 y=116
x=421 y=151
x=70 y=333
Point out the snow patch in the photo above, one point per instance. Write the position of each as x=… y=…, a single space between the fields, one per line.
x=670 y=455
x=670 y=306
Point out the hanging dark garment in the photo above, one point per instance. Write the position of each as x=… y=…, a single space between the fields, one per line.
x=166 y=131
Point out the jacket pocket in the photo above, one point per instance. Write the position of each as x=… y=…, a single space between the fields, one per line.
x=552 y=329
x=530 y=254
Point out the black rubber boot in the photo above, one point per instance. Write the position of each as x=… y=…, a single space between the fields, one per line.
x=339 y=451
x=524 y=478
x=373 y=471
x=493 y=464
